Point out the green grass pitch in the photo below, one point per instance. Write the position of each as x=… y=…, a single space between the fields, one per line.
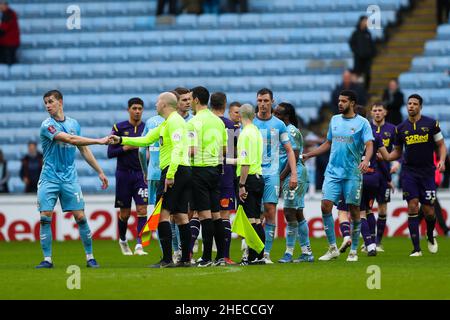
x=127 y=277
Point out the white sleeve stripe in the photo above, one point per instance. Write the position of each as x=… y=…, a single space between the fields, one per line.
x=438 y=136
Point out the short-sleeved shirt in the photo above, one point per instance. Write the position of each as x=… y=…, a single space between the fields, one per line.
x=386 y=133
x=274 y=133
x=232 y=134
x=229 y=170
x=59 y=157
x=296 y=139
x=126 y=160
x=250 y=150
x=153 y=172
x=348 y=137
x=419 y=140
x=208 y=135
x=173 y=142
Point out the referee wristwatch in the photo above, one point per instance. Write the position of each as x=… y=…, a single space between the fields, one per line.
x=242 y=185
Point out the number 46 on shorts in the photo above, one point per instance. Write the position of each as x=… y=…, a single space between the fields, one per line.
x=143 y=192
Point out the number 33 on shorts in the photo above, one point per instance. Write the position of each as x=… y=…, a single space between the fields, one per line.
x=430 y=195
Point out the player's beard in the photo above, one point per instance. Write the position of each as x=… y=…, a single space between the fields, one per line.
x=412 y=113
x=345 y=110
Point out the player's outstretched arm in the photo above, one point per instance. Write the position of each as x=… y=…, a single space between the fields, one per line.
x=78 y=140
x=89 y=157
x=324 y=147
x=151 y=137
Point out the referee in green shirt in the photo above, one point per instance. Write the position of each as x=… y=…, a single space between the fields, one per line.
x=208 y=140
x=175 y=181
x=249 y=173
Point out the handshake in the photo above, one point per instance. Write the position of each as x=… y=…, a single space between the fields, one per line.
x=111 y=139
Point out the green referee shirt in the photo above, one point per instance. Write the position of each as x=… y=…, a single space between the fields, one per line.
x=250 y=150
x=172 y=135
x=208 y=136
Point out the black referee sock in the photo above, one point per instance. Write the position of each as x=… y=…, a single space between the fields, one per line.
x=207 y=236
x=252 y=254
x=185 y=238
x=165 y=238
x=262 y=235
x=219 y=236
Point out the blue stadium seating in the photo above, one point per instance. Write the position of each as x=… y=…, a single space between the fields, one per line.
x=430 y=77
x=298 y=48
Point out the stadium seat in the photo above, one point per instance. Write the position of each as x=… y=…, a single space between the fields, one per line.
x=298 y=48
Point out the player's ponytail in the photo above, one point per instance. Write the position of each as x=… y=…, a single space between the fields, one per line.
x=290 y=112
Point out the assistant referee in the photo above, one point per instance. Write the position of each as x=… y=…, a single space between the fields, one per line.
x=249 y=173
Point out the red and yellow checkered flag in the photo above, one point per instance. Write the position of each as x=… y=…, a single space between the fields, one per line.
x=151 y=224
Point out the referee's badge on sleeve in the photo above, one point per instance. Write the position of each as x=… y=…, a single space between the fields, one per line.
x=176 y=137
x=243 y=153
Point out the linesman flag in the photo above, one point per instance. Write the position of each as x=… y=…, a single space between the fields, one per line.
x=151 y=224
x=242 y=227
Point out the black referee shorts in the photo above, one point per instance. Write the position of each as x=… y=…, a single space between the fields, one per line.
x=176 y=199
x=255 y=189
x=206 y=188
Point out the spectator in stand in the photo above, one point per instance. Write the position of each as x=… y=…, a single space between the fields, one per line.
x=442 y=11
x=162 y=4
x=348 y=83
x=363 y=48
x=9 y=34
x=238 y=6
x=192 y=6
x=4 y=174
x=393 y=99
x=31 y=168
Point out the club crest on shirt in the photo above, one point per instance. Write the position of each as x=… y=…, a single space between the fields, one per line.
x=51 y=129
x=425 y=129
x=176 y=136
x=352 y=130
x=406 y=132
x=126 y=133
x=191 y=134
x=387 y=134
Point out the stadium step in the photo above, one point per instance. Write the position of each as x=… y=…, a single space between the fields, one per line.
x=406 y=41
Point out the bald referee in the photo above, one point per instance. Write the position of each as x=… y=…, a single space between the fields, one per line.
x=175 y=180
x=249 y=173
